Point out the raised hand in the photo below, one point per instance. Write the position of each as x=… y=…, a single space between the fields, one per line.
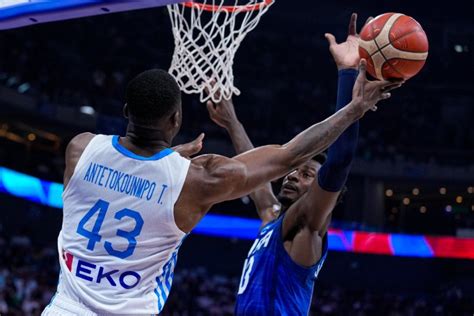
x=222 y=113
x=346 y=54
x=366 y=94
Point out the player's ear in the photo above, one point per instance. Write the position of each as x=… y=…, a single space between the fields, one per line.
x=176 y=119
x=125 y=111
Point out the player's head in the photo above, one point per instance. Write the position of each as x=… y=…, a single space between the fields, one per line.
x=297 y=182
x=153 y=101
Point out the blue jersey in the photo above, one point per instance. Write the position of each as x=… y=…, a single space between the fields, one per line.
x=272 y=283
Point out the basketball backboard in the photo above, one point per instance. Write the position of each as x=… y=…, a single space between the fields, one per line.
x=18 y=13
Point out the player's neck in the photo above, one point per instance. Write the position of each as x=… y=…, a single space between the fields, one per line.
x=284 y=203
x=147 y=138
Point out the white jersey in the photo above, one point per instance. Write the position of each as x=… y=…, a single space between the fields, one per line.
x=119 y=241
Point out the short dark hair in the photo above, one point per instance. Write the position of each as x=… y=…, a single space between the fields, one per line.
x=321 y=158
x=152 y=95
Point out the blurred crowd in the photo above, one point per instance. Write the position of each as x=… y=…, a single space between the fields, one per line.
x=28 y=279
x=28 y=276
x=198 y=292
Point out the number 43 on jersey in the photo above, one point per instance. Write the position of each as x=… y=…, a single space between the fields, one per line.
x=101 y=207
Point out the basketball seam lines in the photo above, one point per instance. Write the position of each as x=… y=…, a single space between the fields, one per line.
x=375 y=37
x=399 y=38
x=379 y=49
x=391 y=26
x=387 y=61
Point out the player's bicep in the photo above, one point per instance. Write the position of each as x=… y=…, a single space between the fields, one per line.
x=210 y=180
x=226 y=179
x=311 y=210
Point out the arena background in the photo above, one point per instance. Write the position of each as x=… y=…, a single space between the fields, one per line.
x=63 y=78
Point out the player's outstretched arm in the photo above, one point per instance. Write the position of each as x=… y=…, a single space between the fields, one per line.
x=223 y=114
x=213 y=179
x=313 y=208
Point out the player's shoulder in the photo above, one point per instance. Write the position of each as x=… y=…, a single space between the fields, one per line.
x=206 y=160
x=215 y=173
x=82 y=138
x=79 y=142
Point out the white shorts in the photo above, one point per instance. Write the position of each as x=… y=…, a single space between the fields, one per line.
x=62 y=306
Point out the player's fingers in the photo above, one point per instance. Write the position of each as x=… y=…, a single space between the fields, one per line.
x=206 y=89
x=396 y=80
x=331 y=39
x=386 y=86
x=362 y=77
x=211 y=107
x=196 y=145
x=392 y=87
x=386 y=83
x=385 y=95
x=370 y=18
x=363 y=67
x=216 y=90
x=212 y=83
x=353 y=24
x=200 y=138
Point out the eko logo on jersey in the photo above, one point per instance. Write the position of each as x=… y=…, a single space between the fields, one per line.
x=100 y=275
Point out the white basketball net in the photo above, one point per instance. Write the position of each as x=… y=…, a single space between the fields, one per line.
x=206 y=42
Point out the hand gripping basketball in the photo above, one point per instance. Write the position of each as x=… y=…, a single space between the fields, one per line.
x=366 y=94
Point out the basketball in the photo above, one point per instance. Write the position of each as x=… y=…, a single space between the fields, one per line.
x=394 y=45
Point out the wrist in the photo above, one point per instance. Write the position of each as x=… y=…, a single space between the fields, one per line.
x=354 y=111
x=233 y=125
x=347 y=71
